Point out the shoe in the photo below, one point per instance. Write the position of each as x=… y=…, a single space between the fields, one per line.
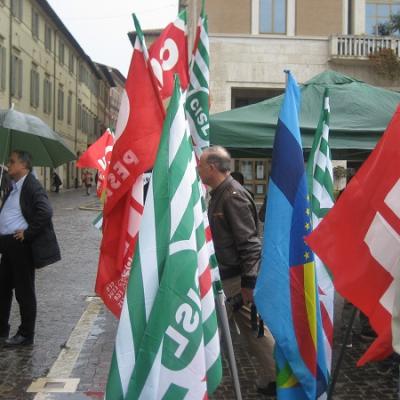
x=19 y=340
x=269 y=390
x=349 y=342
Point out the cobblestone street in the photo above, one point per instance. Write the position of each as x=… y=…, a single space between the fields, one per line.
x=75 y=333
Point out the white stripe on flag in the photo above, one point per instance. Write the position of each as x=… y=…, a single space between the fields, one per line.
x=203 y=66
x=124 y=349
x=148 y=252
x=207 y=305
x=178 y=129
x=181 y=198
x=211 y=346
x=183 y=245
x=194 y=81
x=152 y=385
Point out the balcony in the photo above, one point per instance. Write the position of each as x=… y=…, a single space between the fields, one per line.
x=352 y=48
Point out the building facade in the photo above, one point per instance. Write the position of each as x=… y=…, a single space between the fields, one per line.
x=253 y=41
x=45 y=72
x=116 y=92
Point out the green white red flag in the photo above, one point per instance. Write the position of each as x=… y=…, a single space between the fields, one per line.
x=197 y=114
x=137 y=137
x=320 y=189
x=197 y=101
x=167 y=343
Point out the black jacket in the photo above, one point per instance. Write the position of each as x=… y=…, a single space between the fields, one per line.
x=233 y=221
x=37 y=211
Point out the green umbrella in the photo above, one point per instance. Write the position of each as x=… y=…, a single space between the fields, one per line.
x=359 y=116
x=19 y=131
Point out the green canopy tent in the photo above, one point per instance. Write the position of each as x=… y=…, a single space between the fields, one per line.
x=359 y=115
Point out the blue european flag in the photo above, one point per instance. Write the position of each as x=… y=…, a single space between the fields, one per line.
x=286 y=291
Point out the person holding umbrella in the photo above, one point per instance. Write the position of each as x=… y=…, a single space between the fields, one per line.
x=27 y=241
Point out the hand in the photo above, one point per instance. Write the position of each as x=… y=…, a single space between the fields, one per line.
x=19 y=235
x=247 y=295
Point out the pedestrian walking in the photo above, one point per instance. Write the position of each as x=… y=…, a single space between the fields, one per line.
x=56 y=182
x=234 y=225
x=27 y=241
x=87 y=179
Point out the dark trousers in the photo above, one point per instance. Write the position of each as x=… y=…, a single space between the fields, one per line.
x=17 y=273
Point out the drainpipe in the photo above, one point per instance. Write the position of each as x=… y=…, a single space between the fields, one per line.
x=10 y=62
x=76 y=183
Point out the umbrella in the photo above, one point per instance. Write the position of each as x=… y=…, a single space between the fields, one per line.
x=19 y=131
x=359 y=116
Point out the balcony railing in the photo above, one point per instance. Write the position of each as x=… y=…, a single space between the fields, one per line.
x=361 y=47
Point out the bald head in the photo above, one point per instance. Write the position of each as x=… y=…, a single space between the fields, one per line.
x=214 y=165
x=218 y=156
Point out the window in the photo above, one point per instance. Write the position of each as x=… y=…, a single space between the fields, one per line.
x=61 y=52
x=379 y=12
x=16 y=76
x=16 y=9
x=3 y=65
x=272 y=16
x=60 y=103
x=79 y=119
x=47 y=95
x=35 y=24
x=34 y=86
x=83 y=74
x=71 y=62
x=69 y=108
x=47 y=37
x=255 y=175
x=84 y=120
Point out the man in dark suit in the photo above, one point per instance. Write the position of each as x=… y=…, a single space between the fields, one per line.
x=27 y=241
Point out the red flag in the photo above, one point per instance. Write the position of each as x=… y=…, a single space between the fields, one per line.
x=169 y=56
x=98 y=156
x=137 y=138
x=359 y=239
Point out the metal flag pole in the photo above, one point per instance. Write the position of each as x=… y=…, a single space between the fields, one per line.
x=336 y=371
x=226 y=334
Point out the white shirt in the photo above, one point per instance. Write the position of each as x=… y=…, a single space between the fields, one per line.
x=11 y=218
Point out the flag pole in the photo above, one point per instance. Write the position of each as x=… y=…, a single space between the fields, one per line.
x=336 y=371
x=226 y=334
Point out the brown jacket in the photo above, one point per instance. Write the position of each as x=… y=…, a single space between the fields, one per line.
x=234 y=226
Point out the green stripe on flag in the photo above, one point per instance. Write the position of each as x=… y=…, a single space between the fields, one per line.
x=175 y=349
x=320 y=189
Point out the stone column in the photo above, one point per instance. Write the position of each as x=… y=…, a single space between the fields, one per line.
x=359 y=17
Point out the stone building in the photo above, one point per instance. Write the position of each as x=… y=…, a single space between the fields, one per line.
x=45 y=72
x=253 y=41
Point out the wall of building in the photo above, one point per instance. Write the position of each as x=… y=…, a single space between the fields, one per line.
x=253 y=62
x=319 y=17
x=49 y=65
x=229 y=17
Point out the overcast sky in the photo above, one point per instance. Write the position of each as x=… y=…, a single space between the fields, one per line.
x=101 y=26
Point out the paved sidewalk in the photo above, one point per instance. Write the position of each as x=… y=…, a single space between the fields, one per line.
x=75 y=333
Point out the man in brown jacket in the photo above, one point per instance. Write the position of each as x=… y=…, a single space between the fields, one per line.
x=234 y=225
